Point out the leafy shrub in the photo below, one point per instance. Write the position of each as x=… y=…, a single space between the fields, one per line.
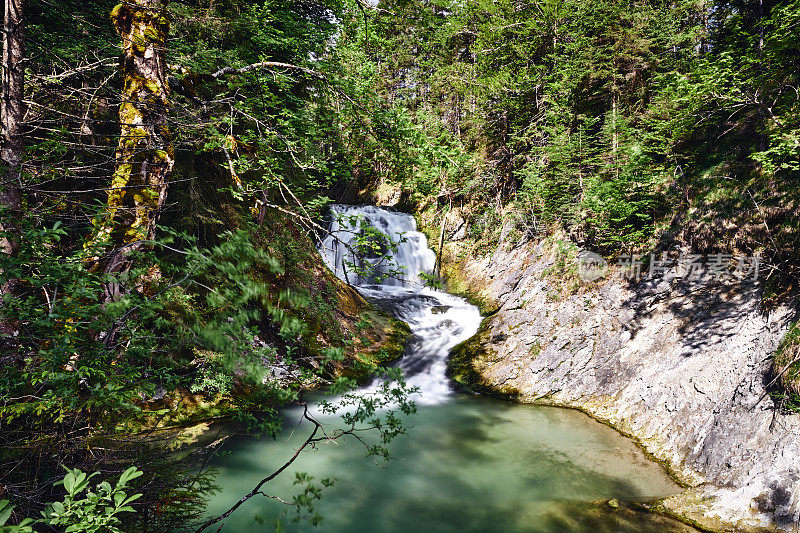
x=82 y=509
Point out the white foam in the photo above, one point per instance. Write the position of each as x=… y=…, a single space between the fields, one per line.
x=438 y=321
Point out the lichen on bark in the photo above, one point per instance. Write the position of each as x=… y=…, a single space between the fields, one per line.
x=145 y=155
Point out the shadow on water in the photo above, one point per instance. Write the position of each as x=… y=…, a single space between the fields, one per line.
x=471 y=465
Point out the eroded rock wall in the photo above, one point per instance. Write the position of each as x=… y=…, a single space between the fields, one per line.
x=680 y=366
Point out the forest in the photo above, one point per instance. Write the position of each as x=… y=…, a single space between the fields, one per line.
x=167 y=175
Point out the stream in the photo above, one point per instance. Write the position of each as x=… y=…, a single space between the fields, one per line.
x=468 y=464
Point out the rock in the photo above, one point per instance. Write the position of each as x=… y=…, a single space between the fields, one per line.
x=460 y=231
x=680 y=365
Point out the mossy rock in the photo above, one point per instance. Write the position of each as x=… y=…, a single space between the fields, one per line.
x=458 y=285
x=380 y=344
x=468 y=359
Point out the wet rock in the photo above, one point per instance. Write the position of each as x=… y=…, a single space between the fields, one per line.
x=448 y=325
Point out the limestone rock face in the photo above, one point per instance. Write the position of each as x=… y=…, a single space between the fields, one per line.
x=680 y=366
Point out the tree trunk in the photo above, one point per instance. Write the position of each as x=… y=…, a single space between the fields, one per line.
x=11 y=115
x=13 y=81
x=145 y=155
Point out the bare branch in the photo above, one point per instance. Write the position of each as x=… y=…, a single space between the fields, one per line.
x=265 y=65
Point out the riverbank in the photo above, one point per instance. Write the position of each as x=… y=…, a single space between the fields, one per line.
x=681 y=367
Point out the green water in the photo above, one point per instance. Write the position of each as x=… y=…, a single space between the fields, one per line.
x=468 y=465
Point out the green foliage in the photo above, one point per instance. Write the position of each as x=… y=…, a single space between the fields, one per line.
x=432 y=281
x=96 y=510
x=223 y=321
x=786 y=367
x=612 y=120
x=304 y=502
x=379 y=409
x=373 y=251
x=231 y=311
x=787 y=399
x=24 y=525
x=69 y=349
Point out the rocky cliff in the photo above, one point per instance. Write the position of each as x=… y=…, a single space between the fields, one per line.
x=681 y=366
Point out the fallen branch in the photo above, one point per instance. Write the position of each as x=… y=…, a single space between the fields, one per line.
x=257 y=489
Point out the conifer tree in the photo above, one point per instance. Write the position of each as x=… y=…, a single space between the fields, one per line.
x=11 y=116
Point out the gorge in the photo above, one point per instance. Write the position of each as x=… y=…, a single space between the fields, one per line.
x=223 y=220
x=468 y=464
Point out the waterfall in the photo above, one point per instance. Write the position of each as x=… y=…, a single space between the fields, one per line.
x=380 y=265
x=438 y=321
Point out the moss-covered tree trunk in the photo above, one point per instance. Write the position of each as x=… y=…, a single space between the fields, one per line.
x=145 y=155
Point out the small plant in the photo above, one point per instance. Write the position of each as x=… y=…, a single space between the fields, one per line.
x=788 y=400
x=5 y=513
x=786 y=367
x=372 y=250
x=535 y=349
x=97 y=510
x=431 y=280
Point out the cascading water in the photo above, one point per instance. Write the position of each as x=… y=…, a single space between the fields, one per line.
x=390 y=275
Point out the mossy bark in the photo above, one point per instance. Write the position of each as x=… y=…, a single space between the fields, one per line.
x=145 y=155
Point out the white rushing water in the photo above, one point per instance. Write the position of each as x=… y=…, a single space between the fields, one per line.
x=438 y=321
x=410 y=257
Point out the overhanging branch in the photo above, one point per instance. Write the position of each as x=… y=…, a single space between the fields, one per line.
x=225 y=71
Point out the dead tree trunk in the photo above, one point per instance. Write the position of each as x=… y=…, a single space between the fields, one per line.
x=11 y=116
x=145 y=155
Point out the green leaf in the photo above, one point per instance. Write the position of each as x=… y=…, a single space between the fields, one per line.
x=127 y=475
x=119 y=497
x=69 y=482
x=5 y=511
x=58 y=508
x=132 y=498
